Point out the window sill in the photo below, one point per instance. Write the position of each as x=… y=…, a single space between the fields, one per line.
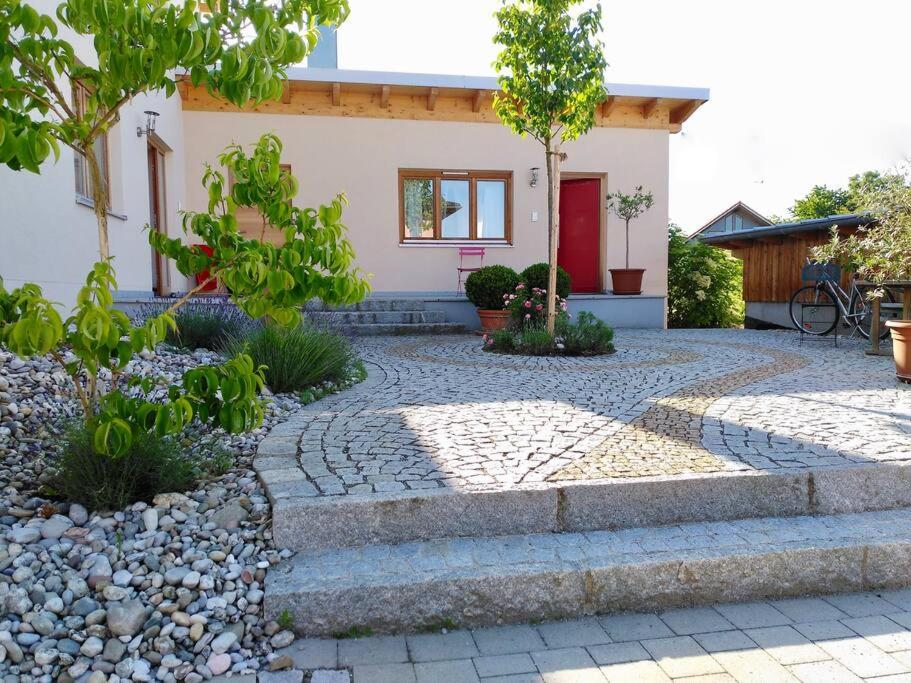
x=86 y=201
x=432 y=244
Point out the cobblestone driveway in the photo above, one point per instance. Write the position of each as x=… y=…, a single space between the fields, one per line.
x=440 y=412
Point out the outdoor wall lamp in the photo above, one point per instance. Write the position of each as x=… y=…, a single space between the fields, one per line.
x=534 y=176
x=151 y=118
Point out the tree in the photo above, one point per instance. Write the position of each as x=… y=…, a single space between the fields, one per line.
x=239 y=51
x=821 y=202
x=552 y=78
x=628 y=207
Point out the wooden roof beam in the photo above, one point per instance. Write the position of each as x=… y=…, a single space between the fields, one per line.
x=649 y=107
x=432 y=98
x=684 y=111
x=336 y=94
x=772 y=239
x=608 y=106
x=477 y=100
x=384 y=97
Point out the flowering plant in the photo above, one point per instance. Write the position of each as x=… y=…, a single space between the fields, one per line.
x=528 y=305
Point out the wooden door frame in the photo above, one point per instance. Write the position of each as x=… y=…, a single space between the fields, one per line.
x=161 y=199
x=602 y=217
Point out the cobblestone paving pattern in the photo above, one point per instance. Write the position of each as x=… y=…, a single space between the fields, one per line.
x=845 y=638
x=440 y=412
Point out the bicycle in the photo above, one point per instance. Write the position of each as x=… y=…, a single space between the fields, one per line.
x=826 y=299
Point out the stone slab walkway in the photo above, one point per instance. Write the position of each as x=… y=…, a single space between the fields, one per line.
x=845 y=637
x=439 y=413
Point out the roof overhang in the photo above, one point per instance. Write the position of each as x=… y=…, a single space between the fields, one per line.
x=383 y=94
x=744 y=238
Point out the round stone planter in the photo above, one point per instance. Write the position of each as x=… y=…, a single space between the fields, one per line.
x=901 y=348
x=491 y=321
x=627 y=280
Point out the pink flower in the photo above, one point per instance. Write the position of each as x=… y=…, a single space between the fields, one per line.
x=485 y=337
x=528 y=316
x=520 y=286
x=539 y=307
x=528 y=304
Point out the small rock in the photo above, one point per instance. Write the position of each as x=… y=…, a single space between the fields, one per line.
x=219 y=663
x=282 y=639
x=54 y=527
x=78 y=514
x=223 y=642
x=126 y=618
x=92 y=646
x=150 y=519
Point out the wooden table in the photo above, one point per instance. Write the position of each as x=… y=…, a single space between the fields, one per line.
x=875 y=328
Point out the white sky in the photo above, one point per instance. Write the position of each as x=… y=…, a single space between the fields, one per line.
x=802 y=91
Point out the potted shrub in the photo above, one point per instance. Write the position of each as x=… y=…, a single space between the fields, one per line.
x=881 y=252
x=627 y=207
x=487 y=288
x=536 y=275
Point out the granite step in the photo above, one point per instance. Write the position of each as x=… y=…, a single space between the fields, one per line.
x=371 y=304
x=305 y=521
x=372 y=317
x=486 y=581
x=368 y=329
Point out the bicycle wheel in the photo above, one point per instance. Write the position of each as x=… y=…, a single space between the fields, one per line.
x=863 y=308
x=813 y=310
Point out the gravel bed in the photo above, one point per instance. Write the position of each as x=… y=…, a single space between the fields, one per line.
x=170 y=591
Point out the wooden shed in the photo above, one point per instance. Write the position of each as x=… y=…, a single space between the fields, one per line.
x=772 y=258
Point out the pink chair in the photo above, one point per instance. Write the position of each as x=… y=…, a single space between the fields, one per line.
x=468 y=252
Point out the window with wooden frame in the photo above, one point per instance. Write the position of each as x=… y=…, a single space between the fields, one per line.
x=251 y=224
x=83 y=175
x=455 y=205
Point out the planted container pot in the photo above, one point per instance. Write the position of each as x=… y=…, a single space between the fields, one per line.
x=493 y=320
x=487 y=289
x=901 y=348
x=626 y=280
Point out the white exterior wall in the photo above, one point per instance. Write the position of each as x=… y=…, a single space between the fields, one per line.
x=48 y=238
x=362 y=156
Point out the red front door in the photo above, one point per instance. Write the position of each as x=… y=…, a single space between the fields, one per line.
x=578 y=251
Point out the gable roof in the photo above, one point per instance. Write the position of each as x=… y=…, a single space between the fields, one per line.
x=731 y=209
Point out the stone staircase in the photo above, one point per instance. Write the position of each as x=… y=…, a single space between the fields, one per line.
x=406 y=562
x=380 y=316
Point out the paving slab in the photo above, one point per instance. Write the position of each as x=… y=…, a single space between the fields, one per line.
x=503 y=640
x=451 y=671
x=787 y=645
x=681 y=656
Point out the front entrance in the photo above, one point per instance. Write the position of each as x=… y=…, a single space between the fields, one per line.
x=160 y=282
x=579 y=246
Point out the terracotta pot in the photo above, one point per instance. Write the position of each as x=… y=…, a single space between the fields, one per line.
x=627 y=280
x=901 y=347
x=493 y=320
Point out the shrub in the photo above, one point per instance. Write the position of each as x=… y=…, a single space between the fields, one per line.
x=588 y=336
x=296 y=358
x=203 y=325
x=529 y=305
x=151 y=465
x=704 y=284
x=486 y=287
x=536 y=275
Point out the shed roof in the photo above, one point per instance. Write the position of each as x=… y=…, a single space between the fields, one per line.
x=731 y=239
x=731 y=209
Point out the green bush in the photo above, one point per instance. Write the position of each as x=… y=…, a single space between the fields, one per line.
x=151 y=465
x=536 y=275
x=487 y=286
x=704 y=287
x=297 y=358
x=587 y=336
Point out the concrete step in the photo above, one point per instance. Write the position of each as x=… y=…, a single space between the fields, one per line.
x=512 y=579
x=305 y=521
x=347 y=318
x=371 y=304
x=404 y=328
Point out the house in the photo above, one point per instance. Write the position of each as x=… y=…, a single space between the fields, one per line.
x=423 y=160
x=735 y=218
x=772 y=260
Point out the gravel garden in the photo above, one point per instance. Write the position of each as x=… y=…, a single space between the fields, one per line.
x=167 y=588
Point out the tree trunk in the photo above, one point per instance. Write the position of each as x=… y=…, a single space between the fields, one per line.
x=553 y=217
x=100 y=200
x=627 y=244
